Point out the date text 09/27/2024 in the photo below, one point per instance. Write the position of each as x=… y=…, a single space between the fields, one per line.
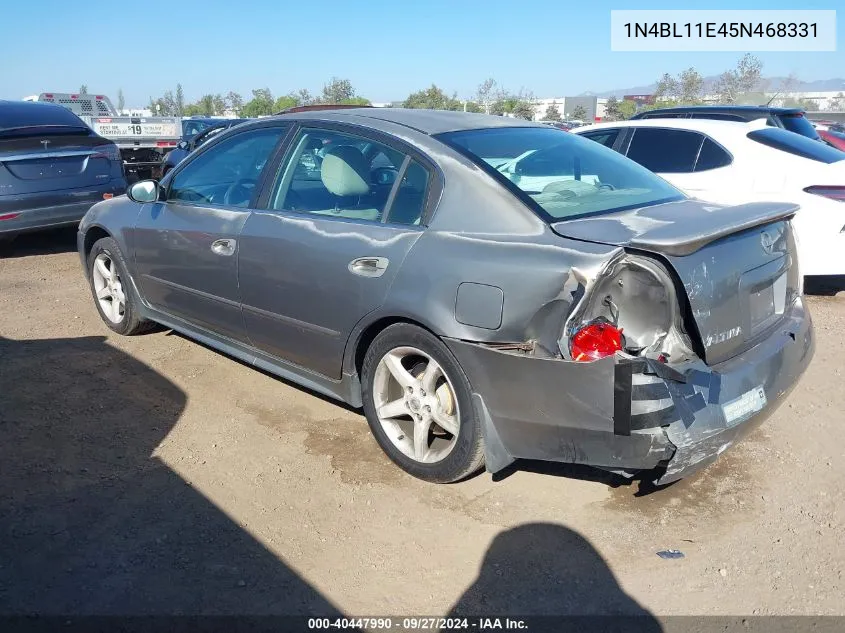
x=418 y=623
x=723 y=29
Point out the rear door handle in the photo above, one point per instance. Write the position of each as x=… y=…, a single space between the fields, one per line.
x=223 y=247
x=369 y=266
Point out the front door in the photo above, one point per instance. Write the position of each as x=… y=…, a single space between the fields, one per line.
x=186 y=246
x=341 y=216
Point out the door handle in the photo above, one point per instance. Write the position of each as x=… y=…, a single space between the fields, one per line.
x=223 y=247
x=369 y=266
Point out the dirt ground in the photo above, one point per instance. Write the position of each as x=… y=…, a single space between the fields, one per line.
x=154 y=475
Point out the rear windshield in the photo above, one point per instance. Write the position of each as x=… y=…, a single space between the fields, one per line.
x=799 y=124
x=561 y=175
x=796 y=144
x=26 y=115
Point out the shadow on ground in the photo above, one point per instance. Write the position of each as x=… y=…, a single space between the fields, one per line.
x=48 y=242
x=543 y=569
x=93 y=524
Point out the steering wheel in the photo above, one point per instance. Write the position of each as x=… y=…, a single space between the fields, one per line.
x=238 y=193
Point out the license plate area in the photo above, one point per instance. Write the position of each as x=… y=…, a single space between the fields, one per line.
x=765 y=290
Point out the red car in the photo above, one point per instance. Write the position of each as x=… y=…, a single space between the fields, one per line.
x=832 y=133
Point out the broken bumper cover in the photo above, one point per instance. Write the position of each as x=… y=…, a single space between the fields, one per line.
x=635 y=414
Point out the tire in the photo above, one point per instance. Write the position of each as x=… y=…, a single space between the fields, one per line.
x=128 y=322
x=466 y=455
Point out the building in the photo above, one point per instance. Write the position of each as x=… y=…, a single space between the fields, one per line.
x=593 y=106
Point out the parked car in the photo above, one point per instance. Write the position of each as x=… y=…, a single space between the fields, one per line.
x=832 y=135
x=53 y=167
x=737 y=163
x=186 y=146
x=142 y=141
x=486 y=288
x=194 y=125
x=791 y=119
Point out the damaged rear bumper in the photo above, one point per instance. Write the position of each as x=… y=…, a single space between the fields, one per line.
x=635 y=414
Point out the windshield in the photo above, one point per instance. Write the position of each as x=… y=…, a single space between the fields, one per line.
x=796 y=144
x=799 y=124
x=559 y=174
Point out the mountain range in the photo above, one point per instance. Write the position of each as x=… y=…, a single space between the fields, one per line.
x=773 y=83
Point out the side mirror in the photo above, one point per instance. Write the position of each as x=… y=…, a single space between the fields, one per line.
x=143 y=191
x=183 y=145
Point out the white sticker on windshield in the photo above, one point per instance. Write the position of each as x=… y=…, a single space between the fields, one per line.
x=742 y=408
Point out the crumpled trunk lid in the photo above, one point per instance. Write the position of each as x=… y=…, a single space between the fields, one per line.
x=737 y=265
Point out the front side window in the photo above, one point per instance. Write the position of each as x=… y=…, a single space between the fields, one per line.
x=665 y=151
x=559 y=174
x=343 y=175
x=227 y=173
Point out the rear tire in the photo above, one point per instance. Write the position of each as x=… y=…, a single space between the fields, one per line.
x=112 y=289
x=432 y=430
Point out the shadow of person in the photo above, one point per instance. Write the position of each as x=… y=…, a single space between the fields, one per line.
x=92 y=523
x=554 y=578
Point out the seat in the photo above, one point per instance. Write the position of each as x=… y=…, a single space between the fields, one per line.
x=345 y=172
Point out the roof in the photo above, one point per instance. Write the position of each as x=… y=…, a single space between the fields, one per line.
x=707 y=126
x=425 y=121
x=735 y=109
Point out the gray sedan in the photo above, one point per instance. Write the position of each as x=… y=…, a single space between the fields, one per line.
x=485 y=288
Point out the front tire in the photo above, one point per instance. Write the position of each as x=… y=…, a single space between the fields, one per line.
x=111 y=288
x=418 y=403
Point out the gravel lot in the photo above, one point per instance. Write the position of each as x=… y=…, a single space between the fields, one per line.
x=153 y=475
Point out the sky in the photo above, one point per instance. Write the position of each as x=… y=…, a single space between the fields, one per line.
x=386 y=49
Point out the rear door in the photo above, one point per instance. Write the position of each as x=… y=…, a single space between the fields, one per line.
x=345 y=209
x=691 y=161
x=186 y=247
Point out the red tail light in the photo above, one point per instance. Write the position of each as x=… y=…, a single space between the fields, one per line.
x=9 y=216
x=109 y=151
x=834 y=192
x=165 y=143
x=596 y=340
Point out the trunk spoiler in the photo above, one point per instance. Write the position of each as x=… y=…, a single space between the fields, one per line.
x=675 y=228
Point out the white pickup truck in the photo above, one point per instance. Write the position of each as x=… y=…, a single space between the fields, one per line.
x=142 y=141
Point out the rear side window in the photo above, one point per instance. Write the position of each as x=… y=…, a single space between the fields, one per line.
x=665 y=151
x=799 y=124
x=712 y=156
x=796 y=144
x=604 y=137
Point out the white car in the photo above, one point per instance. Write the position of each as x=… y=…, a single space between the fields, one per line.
x=733 y=163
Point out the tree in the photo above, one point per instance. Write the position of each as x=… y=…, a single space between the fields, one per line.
x=168 y=104
x=83 y=89
x=303 y=97
x=627 y=109
x=180 y=101
x=218 y=105
x=472 y=106
x=738 y=84
x=235 y=102
x=520 y=105
x=612 y=111
x=121 y=102
x=338 y=91
x=283 y=103
x=837 y=104
x=579 y=113
x=552 y=112
x=667 y=87
x=690 y=85
x=261 y=104
x=432 y=98
x=487 y=94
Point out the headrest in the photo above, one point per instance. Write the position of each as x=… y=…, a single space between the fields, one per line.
x=345 y=171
